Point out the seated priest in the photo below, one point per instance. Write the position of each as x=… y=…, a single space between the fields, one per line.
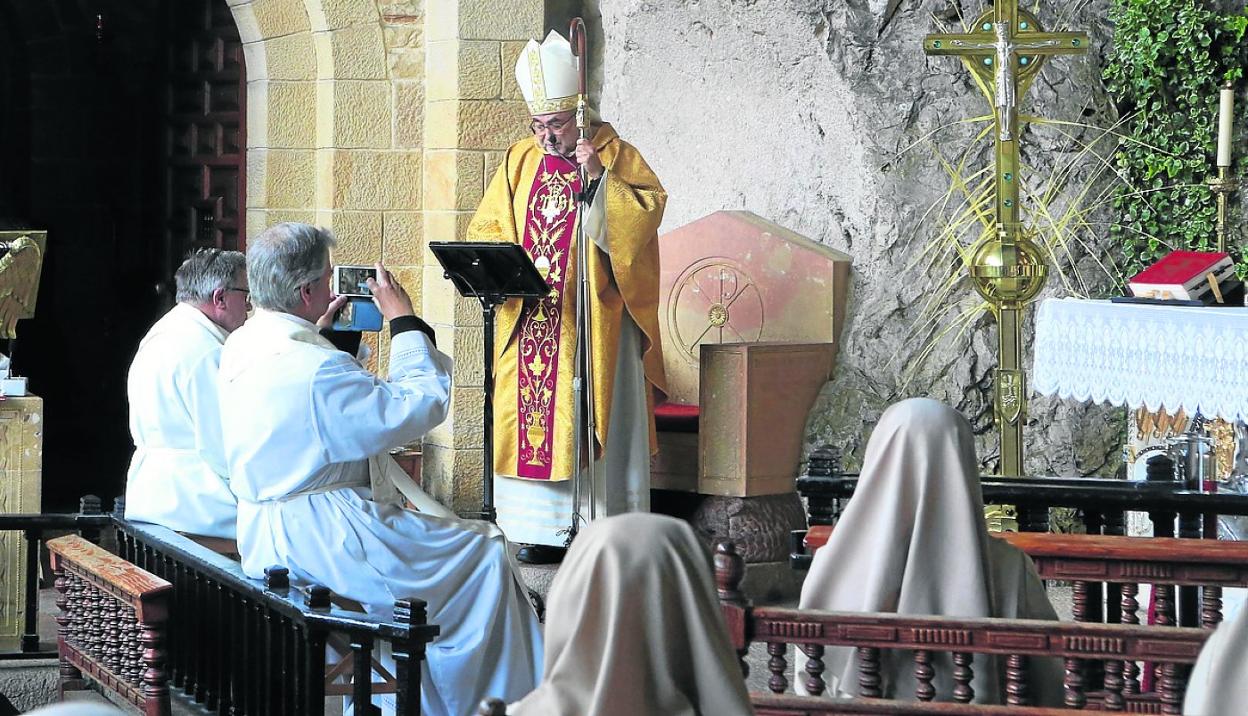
x=178 y=475
x=1219 y=682
x=639 y=630
x=913 y=541
x=301 y=421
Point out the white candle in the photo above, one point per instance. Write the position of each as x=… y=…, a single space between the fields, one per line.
x=1225 y=120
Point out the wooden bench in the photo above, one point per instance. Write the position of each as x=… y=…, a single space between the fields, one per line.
x=111 y=628
x=259 y=647
x=1115 y=646
x=208 y=636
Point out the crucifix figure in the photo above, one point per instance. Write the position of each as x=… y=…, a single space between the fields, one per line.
x=1007 y=268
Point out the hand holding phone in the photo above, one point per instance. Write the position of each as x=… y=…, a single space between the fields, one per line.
x=391 y=299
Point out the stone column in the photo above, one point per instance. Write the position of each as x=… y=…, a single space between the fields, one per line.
x=473 y=112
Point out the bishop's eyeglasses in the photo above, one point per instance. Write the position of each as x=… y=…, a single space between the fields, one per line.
x=554 y=125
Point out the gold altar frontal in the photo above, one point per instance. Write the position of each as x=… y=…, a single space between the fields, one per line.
x=21 y=467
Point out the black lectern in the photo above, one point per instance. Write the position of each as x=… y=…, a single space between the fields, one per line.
x=492 y=273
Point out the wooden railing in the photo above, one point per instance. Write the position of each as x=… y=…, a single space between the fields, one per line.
x=243 y=646
x=111 y=627
x=1115 y=567
x=1077 y=644
x=782 y=705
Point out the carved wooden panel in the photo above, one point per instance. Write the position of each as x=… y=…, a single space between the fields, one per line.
x=21 y=469
x=981 y=636
x=205 y=123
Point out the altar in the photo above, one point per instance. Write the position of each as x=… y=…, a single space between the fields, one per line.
x=1144 y=356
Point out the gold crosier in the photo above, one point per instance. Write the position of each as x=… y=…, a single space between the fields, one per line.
x=1007 y=268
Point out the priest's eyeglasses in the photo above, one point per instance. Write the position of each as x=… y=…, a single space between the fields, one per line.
x=555 y=125
x=246 y=294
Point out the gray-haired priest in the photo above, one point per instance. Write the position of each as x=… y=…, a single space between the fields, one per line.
x=532 y=201
x=178 y=474
x=302 y=420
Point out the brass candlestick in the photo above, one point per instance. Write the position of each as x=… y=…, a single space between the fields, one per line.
x=1223 y=185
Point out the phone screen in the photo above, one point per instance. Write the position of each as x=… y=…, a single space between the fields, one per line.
x=353 y=280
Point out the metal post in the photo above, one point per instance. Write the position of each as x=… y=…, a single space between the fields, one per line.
x=487 y=493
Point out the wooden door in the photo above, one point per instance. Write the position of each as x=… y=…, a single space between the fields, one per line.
x=204 y=131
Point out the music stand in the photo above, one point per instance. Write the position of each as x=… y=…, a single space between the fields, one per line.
x=492 y=273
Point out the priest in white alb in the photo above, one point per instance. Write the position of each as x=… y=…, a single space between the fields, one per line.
x=532 y=201
x=178 y=477
x=302 y=421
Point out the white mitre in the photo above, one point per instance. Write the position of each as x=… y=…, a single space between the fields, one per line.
x=547 y=75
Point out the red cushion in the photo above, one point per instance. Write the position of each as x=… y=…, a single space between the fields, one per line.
x=676 y=418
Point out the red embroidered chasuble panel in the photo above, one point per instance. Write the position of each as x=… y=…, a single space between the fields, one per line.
x=549 y=229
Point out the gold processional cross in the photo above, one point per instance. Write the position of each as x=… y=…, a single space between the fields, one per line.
x=1007 y=268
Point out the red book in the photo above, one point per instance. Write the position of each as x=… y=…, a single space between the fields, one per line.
x=1182 y=275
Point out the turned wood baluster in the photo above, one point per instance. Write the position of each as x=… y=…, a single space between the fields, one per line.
x=1170 y=688
x=1113 y=686
x=77 y=610
x=1130 y=615
x=110 y=631
x=1211 y=607
x=132 y=651
x=777 y=666
x=729 y=570
x=923 y=675
x=64 y=621
x=1074 y=682
x=95 y=625
x=1016 y=691
x=1165 y=615
x=155 y=680
x=869 y=672
x=962 y=675
x=1080 y=598
x=814 y=668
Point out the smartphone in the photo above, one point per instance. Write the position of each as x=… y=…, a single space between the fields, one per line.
x=353 y=280
x=358 y=314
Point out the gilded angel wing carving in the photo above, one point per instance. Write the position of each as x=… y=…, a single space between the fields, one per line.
x=19 y=282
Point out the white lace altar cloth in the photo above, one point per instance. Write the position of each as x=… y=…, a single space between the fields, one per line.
x=1144 y=356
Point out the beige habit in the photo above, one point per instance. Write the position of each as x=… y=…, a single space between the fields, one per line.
x=634 y=628
x=913 y=541
x=1219 y=683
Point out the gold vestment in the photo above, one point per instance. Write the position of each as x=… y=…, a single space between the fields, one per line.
x=627 y=280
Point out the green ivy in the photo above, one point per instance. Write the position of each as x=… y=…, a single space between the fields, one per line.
x=1169 y=58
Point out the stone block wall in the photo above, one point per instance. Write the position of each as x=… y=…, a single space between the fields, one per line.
x=473 y=112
